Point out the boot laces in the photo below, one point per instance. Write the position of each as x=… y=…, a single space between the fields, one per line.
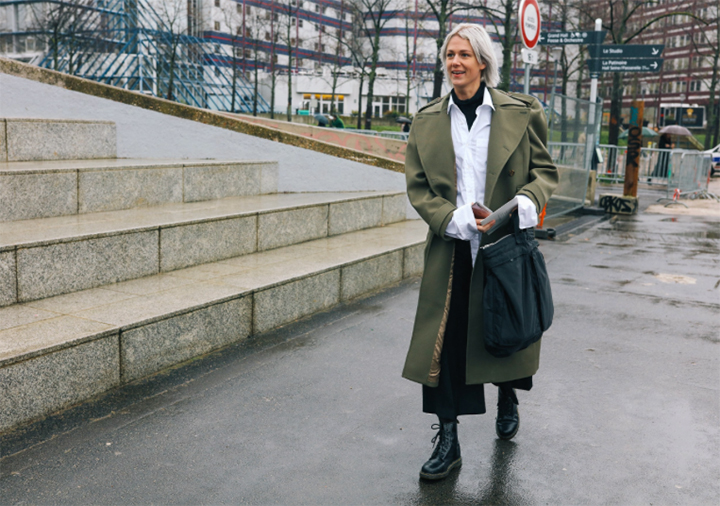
x=444 y=443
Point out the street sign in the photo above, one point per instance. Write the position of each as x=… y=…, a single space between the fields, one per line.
x=567 y=38
x=624 y=65
x=529 y=56
x=627 y=51
x=529 y=14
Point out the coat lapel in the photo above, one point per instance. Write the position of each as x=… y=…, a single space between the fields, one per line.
x=436 y=149
x=508 y=125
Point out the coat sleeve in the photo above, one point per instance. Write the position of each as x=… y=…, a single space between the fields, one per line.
x=543 y=174
x=433 y=209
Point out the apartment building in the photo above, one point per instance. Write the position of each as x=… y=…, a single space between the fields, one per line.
x=680 y=92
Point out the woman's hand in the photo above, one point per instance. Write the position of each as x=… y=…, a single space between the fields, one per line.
x=484 y=228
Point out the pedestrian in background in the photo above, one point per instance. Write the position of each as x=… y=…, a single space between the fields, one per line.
x=476 y=144
x=661 y=167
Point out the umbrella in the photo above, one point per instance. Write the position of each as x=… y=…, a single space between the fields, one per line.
x=646 y=133
x=675 y=130
x=403 y=119
x=321 y=119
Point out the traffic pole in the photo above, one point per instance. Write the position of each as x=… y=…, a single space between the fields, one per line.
x=526 y=89
x=592 y=127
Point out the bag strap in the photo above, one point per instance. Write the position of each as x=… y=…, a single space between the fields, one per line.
x=516 y=226
x=521 y=236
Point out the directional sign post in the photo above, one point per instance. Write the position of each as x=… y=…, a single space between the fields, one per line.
x=627 y=51
x=625 y=64
x=570 y=38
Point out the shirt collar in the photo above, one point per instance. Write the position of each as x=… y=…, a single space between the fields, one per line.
x=487 y=100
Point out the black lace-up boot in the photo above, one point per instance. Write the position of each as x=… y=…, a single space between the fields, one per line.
x=446 y=455
x=508 y=418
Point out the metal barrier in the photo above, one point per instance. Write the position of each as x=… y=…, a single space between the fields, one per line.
x=573 y=126
x=688 y=173
x=654 y=164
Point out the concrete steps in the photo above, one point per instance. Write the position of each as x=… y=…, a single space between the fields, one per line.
x=39 y=189
x=61 y=350
x=114 y=269
x=52 y=256
x=24 y=139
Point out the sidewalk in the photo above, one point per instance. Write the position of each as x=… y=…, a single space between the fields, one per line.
x=625 y=407
x=697 y=207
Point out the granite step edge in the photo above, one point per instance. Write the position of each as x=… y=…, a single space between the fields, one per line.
x=178 y=222
x=237 y=294
x=115 y=164
x=120 y=346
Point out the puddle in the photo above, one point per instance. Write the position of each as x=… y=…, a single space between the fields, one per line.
x=705 y=234
x=675 y=278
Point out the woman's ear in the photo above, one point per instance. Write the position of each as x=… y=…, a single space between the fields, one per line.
x=483 y=65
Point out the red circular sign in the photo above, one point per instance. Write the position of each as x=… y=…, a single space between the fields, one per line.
x=529 y=16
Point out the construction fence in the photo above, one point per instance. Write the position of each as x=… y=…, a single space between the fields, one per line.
x=679 y=169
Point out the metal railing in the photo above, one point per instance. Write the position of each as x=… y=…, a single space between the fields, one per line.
x=688 y=173
x=654 y=164
x=400 y=136
x=677 y=169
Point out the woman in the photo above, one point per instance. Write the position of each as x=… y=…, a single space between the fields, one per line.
x=661 y=167
x=476 y=144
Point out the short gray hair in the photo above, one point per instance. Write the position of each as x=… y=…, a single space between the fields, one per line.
x=482 y=47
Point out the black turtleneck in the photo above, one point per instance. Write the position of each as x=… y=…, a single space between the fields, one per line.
x=469 y=106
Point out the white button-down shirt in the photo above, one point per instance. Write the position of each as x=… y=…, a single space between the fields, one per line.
x=471 y=154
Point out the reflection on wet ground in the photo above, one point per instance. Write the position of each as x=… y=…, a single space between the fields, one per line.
x=499 y=486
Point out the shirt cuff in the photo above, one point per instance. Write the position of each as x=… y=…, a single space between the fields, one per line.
x=462 y=225
x=526 y=212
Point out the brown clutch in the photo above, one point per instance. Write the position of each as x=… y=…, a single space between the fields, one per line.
x=480 y=211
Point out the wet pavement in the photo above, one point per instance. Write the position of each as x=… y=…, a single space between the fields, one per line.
x=625 y=408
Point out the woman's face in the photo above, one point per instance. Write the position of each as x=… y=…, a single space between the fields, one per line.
x=464 y=69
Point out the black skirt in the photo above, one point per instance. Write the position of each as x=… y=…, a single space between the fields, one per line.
x=453 y=397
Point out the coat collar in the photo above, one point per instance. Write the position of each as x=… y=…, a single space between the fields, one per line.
x=508 y=125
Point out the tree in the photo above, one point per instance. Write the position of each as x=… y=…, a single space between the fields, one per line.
x=372 y=18
x=619 y=19
x=289 y=20
x=253 y=26
x=233 y=17
x=710 y=52
x=442 y=10
x=411 y=32
x=61 y=27
x=173 y=16
x=360 y=55
x=504 y=21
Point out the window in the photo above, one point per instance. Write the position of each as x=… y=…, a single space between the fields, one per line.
x=217 y=26
x=322 y=28
x=217 y=3
x=300 y=23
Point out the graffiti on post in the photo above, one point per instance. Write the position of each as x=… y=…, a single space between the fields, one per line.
x=619 y=204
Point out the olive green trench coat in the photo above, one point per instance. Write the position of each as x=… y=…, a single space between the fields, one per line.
x=518 y=164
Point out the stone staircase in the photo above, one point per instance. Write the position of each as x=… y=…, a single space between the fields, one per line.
x=114 y=269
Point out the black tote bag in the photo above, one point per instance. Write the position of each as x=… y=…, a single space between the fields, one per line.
x=517 y=301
